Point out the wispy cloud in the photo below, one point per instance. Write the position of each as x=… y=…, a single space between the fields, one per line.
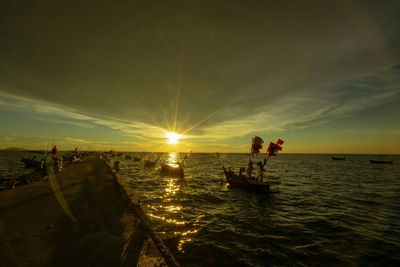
x=312 y=107
x=298 y=110
x=60 y=114
x=9 y=138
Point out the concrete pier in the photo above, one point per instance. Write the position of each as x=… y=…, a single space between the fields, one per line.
x=111 y=229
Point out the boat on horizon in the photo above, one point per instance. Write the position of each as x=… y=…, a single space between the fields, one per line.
x=381 y=161
x=338 y=158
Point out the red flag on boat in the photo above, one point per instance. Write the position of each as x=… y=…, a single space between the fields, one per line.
x=274 y=148
x=54 y=150
x=257 y=145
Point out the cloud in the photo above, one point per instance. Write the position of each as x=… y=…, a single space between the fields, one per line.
x=9 y=138
x=222 y=70
x=301 y=109
x=314 y=107
x=77 y=140
x=60 y=114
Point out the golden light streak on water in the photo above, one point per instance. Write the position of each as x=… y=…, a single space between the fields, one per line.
x=172 y=187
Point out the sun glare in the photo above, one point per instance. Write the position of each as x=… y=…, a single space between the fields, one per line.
x=173 y=138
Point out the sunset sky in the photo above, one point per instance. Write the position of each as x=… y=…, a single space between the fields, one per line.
x=322 y=75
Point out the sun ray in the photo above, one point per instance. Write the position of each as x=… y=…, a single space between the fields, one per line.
x=141 y=108
x=164 y=113
x=211 y=114
x=179 y=85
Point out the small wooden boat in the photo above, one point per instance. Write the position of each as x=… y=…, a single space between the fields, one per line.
x=29 y=178
x=136 y=158
x=252 y=183
x=381 y=161
x=175 y=170
x=148 y=163
x=31 y=163
x=338 y=158
x=37 y=151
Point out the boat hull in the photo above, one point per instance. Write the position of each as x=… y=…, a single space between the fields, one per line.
x=381 y=161
x=338 y=158
x=148 y=163
x=31 y=163
x=244 y=182
x=172 y=171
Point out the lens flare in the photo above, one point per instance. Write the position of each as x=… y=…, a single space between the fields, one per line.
x=173 y=138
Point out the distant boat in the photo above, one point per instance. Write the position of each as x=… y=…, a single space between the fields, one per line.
x=338 y=158
x=136 y=158
x=381 y=161
x=175 y=170
x=37 y=151
x=148 y=163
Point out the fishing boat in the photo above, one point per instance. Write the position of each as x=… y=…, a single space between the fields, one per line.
x=31 y=163
x=245 y=182
x=381 y=161
x=37 y=151
x=170 y=169
x=338 y=158
x=149 y=163
x=136 y=158
x=245 y=179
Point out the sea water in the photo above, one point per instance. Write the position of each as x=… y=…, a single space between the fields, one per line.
x=326 y=212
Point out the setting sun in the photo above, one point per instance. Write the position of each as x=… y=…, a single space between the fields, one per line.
x=173 y=138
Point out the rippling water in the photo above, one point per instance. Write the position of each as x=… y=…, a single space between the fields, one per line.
x=326 y=212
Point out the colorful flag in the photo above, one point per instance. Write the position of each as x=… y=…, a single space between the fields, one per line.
x=54 y=150
x=271 y=149
x=279 y=142
x=257 y=145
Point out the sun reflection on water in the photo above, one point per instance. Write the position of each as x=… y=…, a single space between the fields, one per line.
x=171 y=211
x=172 y=187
